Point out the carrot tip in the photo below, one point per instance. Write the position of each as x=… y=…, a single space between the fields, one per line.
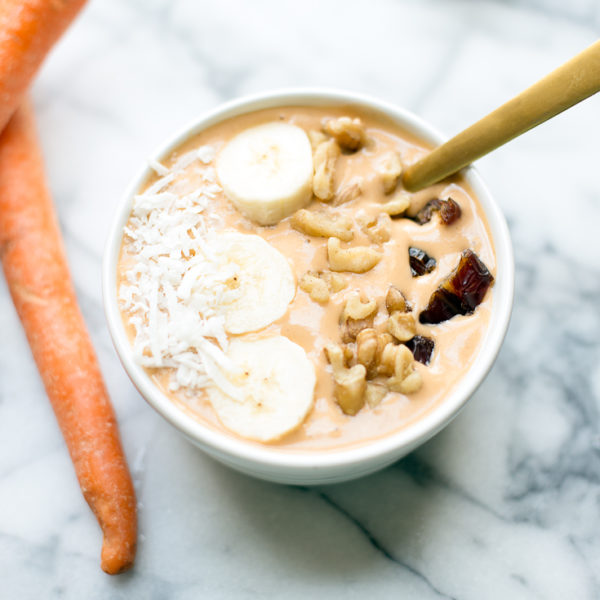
x=116 y=560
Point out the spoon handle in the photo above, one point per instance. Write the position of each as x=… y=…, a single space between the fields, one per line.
x=571 y=83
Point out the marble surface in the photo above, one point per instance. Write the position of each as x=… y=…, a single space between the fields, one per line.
x=505 y=502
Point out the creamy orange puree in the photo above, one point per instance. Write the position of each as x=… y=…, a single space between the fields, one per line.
x=313 y=325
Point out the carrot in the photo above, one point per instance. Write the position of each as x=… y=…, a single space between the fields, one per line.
x=36 y=270
x=28 y=29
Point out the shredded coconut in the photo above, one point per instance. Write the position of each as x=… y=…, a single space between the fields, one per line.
x=158 y=167
x=206 y=154
x=178 y=278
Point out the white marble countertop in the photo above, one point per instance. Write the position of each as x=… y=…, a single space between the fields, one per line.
x=505 y=502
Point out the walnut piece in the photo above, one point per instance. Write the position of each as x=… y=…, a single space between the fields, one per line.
x=348 y=355
x=349 y=133
x=358 y=259
x=378 y=230
x=366 y=351
x=321 y=224
x=402 y=326
x=320 y=285
x=374 y=394
x=324 y=159
x=355 y=308
x=352 y=327
x=316 y=138
x=398 y=205
x=350 y=384
x=315 y=287
x=348 y=193
x=335 y=281
x=411 y=384
x=395 y=300
x=369 y=349
x=387 y=364
x=398 y=362
x=390 y=171
x=356 y=316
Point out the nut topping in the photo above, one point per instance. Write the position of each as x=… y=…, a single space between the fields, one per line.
x=355 y=308
x=335 y=281
x=398 y=360
x=398 y=205
x=369 y=349
x=321 y=224
x=356 y=316
x=391 y=169
x=366 y=351
x=348 y=193
x=358 y=259
x=315 y=287
x=320 y=285
x=324 y=158
x=349 y=133
x=374 y=394
x=402 y=326
x=350 y=383
x=378 y=230
x=395 y=300
x=316 y=138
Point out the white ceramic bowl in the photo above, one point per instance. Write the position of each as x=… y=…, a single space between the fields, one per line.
x=330 y=466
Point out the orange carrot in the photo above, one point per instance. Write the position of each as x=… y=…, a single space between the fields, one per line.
x=28 y=29
x=38 y=278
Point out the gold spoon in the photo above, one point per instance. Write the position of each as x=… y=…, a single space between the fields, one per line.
x=564 y=87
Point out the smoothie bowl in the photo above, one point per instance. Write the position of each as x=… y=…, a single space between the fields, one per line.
x=277 y=296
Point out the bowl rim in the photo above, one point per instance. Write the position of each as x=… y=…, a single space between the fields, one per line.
x=378 y=449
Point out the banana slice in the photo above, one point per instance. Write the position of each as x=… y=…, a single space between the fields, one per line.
x=266 y=171
x=263 y=286
x=273 y=384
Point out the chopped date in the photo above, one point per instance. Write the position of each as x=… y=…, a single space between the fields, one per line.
x=425 y=214
x=449 y=211
x=461 y=292
x=471 y=280
x=422 y=348
x=420 y=262
x=443 y=305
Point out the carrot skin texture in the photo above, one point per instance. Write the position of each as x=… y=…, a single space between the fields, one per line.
x=38 y=278
x=28 y=30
